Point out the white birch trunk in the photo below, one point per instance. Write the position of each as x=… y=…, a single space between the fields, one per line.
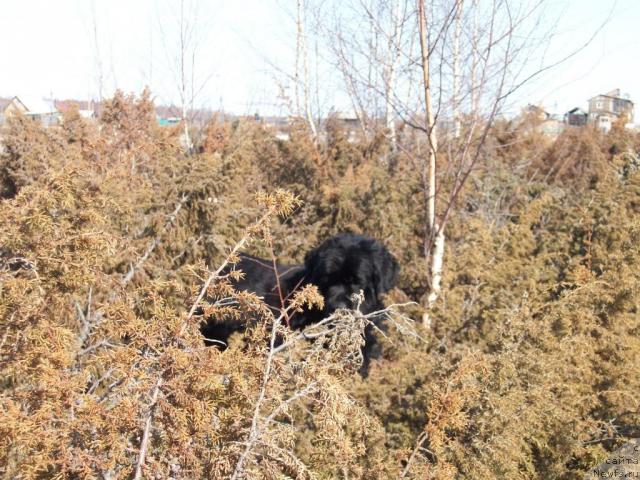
x=437 y=261
x=431 y=232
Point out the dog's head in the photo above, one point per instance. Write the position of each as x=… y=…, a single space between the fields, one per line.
x=347 y=263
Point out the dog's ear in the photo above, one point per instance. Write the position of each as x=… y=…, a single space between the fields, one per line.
x=386 y=271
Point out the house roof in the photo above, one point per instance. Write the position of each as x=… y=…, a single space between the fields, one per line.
x=38 y=105
x=64 y=105
x=614 y=94
x=8 y=101
x=273 y=120
x=345 y=115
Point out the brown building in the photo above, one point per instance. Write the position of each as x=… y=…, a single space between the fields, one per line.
x=606 y=108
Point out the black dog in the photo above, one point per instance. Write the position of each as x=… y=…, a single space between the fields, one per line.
x=340 y=267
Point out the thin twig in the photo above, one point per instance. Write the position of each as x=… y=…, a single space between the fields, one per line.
x=302 y=393
x=144 y=445
x=421 y=439
x=253 y=432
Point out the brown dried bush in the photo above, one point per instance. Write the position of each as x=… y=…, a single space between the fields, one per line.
x=110 y=235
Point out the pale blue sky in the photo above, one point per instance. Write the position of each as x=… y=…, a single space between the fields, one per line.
x=48 y=48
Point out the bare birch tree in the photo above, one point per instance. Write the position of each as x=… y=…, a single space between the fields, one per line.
x=432 y=230
x=489 y=61
x=492 y=57
x=472 y=56
x=369 y=57
x=298 y=87
x=302 y=62
x=98 y=58
x=182 y=46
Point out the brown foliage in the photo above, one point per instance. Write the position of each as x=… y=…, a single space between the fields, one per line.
x=109 y=232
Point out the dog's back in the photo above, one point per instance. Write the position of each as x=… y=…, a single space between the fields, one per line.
x=274 y=285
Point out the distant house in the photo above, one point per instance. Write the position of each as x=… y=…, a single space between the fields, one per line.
x=349 y=119
x=552 y=126
x=42 y=110
x=9 y=107
x=166 y=122
x=276 y=122
x=39 y=109
x=84 y=109
x=606 y=108
x=167 y=115
x=536 y=118
x=576 y=117
x=534 y=112
x=350 y=122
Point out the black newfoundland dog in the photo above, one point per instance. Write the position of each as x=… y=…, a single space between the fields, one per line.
x=340 y=267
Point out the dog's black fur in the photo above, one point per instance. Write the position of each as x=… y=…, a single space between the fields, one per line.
x=340 y=267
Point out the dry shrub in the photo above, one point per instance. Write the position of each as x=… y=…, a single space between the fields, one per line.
x=29 y=151
x=576 y=154
x=216 y=136
x=109 y=231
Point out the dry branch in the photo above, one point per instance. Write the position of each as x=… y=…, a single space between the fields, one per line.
x=156 y=241
x=144 y=444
